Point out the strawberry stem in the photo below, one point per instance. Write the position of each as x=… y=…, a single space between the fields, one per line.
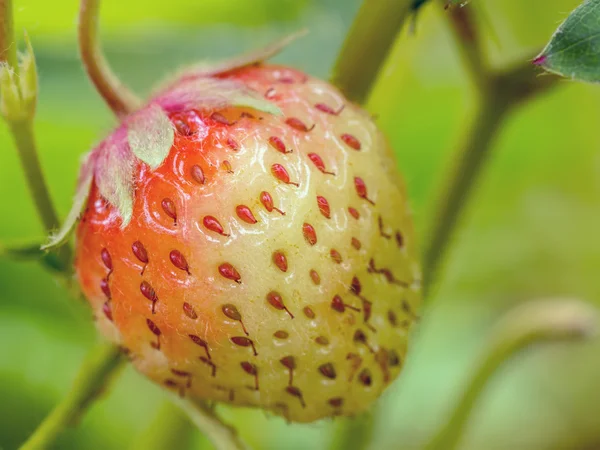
x=19 y=114
x=23 y=136
x=500 y=92
x=92 y=379
x=118 y=97
x=535 y=322
x=367 y=45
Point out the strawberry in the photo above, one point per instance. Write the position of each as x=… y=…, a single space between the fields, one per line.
x=245 y=237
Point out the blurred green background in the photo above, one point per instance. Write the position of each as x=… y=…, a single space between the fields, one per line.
x=531 y=230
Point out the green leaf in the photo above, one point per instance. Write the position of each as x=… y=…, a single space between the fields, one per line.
x=81 y=195
x=574 y=50
x=150 y=134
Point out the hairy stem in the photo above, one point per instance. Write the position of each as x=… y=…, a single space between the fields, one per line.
x=367 y=45
x=93 y=378
x=535 y=322
x=118 y=97
x=222 y=436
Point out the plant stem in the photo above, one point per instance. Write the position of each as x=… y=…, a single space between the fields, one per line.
x=367 y=45
x=466 y=33
x=118 y=97
x=93 y=378
x=23 y=136
x=222 y=436
x=22 y=133
x=468 y=163
x=470 y=158
x=499 y=93
x=8 y=46
x=531 y=323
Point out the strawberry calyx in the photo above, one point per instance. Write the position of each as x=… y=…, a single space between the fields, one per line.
x=147 y=135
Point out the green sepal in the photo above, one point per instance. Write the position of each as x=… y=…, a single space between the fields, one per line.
x=150 y=135
x=28 y=79
x=19 y=89
x=114 y=178
x=10 y=98
x=81 y=195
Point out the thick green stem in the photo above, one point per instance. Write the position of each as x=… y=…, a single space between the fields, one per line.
x=531 y=323
x=119 y=98
x=92 y=380
x=498 y=94
x=455 y=191
x=504 y=92
x=367 y=45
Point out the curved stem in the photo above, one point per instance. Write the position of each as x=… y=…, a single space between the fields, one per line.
x=458 y=184
x=499 y=94
x=119 y=98
x=367 y=45
x=532 y=323
x=92 y=380
x=222 y=436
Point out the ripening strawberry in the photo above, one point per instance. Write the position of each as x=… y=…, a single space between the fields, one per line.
x=247 y=239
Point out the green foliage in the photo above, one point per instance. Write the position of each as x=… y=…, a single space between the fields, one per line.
x=574 y=50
